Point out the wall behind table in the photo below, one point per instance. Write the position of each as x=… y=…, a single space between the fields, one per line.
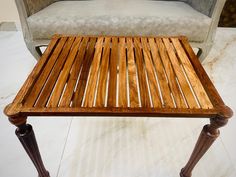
x=8 y=11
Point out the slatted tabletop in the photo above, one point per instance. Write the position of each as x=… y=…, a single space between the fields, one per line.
x=136 y=76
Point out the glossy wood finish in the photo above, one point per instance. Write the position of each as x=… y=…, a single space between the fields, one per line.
x=25 y=134
x=120 y=76
x=207 y=137
x=156 y=75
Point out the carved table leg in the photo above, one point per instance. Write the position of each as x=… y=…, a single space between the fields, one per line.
x=26 y=136
x=208 y=135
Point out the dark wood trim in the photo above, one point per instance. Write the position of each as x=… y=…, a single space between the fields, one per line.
x=207 y=137
x=25 y=134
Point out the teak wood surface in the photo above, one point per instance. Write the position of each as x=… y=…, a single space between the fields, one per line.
x=118 y=76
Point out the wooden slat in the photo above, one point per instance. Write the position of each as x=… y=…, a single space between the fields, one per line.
x=29 y=83
x=102 y=83
x=79 y=93
x=38 y=85
x=179 y=100
x=122 y=74
x=192 y=103
x=76 y=68
x=192 y=76
x=205 y=80
x=56 y=95
x=46 y=91
x=155 y=96
x=166 y=93
x=92 y=82
x=132 y=72
x=165 y=70
x=111 y=102
x=145 y=101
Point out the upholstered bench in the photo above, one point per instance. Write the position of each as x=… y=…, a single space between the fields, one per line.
x=196 y=19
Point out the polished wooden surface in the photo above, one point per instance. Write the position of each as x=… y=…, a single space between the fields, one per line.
x=155 y=76
x=118 y=76
x=207 y=137
x=26 y=136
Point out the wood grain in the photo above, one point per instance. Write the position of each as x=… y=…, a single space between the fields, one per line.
x=122 y=74
x=52 y=78
x=132 y=75
x=192 y=76
x=153 y=76
x=37 y=87
x=163 y=81
x=74 y=75
x=214 y=96
x=32 y=78
x=56 y=95
x=158 y=76
x=179 y=100
x=155 y=95
x=92 y=82
x=113 y=74
x=185 y=87
x=145 y=100
x=79 y=92
x=102 y=83
x=118 y=111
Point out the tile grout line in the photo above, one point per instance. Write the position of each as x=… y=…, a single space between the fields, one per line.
x=64 y=147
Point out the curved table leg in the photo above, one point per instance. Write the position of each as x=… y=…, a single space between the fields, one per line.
x=25 y=134
x=208 y=135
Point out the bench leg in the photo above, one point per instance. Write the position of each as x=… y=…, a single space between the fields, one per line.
x=208 y=135
x=25 y=134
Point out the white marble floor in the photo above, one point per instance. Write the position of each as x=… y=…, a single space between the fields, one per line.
x=116 y=147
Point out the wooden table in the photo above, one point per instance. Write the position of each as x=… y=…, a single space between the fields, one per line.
x=118 y=76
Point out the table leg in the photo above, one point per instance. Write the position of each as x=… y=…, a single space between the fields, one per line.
x=25 y=134
x=208 y=135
